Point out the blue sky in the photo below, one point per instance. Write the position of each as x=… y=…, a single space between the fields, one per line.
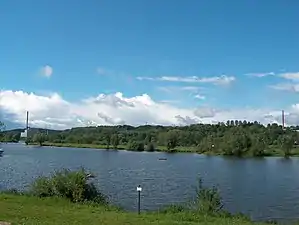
x=101 y=46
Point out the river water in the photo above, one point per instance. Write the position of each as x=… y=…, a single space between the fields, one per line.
x=262 y=188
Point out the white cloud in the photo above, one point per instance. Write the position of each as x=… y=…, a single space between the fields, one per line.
x=199 y=96
x=294 y=76
x=291 y=86
x=260 y=74
x=186 y=120
x=46 y=71
x=218 y=80
x=145 y=78
x=290 y=76
x=286 y=87
x=53 y=111
x=172 y=89
x=205 y=112
x=190 y=88
x=168 y=101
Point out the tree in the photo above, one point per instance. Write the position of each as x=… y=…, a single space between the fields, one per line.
x=236 y=142
x=16 y=137
x=150 y=147
x=241 y=144
x=234 y=138
x=1 y=126
x=39 y=138
x=228 y=123
x=1 y=129
x=136 y=146
x=206 y=145
x=258 y=146
x=148 y=138
x=172 y=139
x=108 y=139
x=232 y=123
x=286 y=143
x=115 y=140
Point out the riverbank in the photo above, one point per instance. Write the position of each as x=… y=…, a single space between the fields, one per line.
x=119 y=147
x=32 y=210
x=272 y=151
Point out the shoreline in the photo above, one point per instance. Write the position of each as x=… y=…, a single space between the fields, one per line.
x=274 y=152
x=51 y=210
x=119 y=148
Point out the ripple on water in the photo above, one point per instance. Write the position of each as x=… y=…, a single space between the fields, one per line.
x=264 y=188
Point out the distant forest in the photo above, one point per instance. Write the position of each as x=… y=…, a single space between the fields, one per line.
x=238 y=138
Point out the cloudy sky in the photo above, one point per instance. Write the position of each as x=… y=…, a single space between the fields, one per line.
x=78 y=63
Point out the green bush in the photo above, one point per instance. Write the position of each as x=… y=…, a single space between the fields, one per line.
x=173 y=209
x=73 y=185
x=150 y=147
x=13 y=192
x=136 y=146
x=96 y=142
x=208 y=200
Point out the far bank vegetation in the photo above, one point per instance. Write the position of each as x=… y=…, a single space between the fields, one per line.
x=233 y=138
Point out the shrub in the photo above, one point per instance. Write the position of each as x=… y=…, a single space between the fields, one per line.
x=136 y=146
x=271 y=222
x=226 y=214
x=208 y=200
x=13 y=192
x=73 y=185
x=173 y=209
x=39 y=138
x=96 y=142
x=150 y=147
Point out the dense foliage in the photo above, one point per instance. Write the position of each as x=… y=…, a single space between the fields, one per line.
x=73 y=185
x=238 y=138
x=208 y=200
x=11 y=135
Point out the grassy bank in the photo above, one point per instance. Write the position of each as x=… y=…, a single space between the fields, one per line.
x=33 y=210
x=271 y=151
x=119 y=147
x=69 y=197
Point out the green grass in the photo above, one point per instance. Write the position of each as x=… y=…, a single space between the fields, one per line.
x=275 y=151
x=32 y=210
x=270 y=152
x=75 y=145
x=119 y=147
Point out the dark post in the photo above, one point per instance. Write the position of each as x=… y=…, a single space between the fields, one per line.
x=27 y=118
x=139 y=189
x=27 y=126
x=282 y=119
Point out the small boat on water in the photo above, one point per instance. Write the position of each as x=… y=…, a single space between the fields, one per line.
x=162 y=159
x=1 y=152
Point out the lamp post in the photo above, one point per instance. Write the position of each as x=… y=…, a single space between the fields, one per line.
x=139 y=189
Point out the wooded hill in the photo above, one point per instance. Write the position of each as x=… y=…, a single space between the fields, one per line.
x=237 y=138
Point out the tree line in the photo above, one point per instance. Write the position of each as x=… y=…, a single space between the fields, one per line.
x=238 y=138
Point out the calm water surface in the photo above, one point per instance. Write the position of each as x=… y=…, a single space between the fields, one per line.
x=262 y=188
